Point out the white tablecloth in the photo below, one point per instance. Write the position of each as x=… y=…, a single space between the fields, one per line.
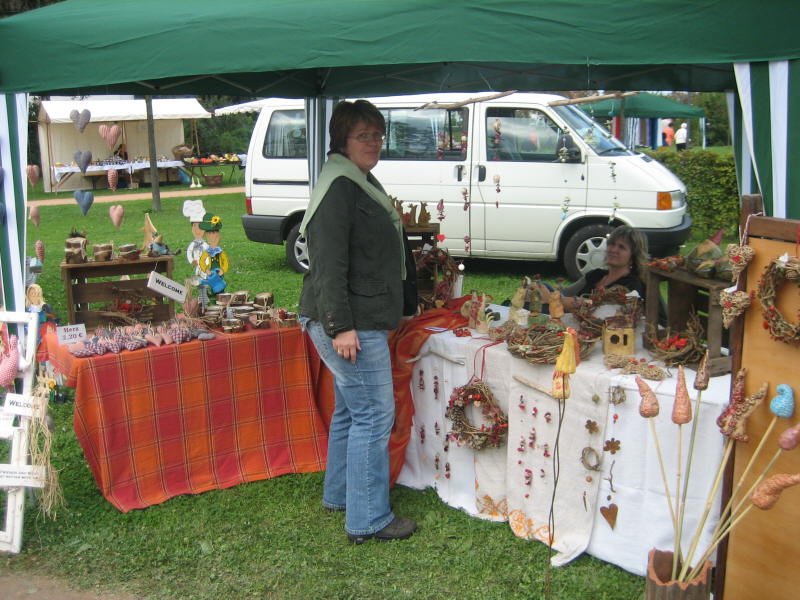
x=59 y=172
x=515 y=482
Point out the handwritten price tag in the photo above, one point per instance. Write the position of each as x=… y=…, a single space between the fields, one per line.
x=69 y=334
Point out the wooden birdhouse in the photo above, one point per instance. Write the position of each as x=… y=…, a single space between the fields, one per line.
x=618 y=336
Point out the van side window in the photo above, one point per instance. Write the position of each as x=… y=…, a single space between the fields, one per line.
x=286 y=135
x=425 y=134
x=520 y=135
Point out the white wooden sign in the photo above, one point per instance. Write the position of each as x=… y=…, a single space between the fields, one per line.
x=21 y=476
x=166 y=287
x=18 y=404
x=69 y=334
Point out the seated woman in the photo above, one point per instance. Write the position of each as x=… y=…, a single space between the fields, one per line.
x=626 y=258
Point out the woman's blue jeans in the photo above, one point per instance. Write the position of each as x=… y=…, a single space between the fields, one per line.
x=357 y=473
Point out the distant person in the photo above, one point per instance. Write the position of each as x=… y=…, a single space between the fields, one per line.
x=122 y=152
x=681 y=137
x=667 y=134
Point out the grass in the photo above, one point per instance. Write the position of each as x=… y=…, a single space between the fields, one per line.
x=272 y=539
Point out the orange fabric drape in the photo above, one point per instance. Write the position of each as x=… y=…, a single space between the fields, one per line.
x=405 y=343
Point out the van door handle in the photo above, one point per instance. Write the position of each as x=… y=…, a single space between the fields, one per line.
x=459 y=172
x=481 y=173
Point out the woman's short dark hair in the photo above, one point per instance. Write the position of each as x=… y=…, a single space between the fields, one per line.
x=638 y=245
x=346 y=115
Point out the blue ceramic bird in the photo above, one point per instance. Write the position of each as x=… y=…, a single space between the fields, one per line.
x=782 y=405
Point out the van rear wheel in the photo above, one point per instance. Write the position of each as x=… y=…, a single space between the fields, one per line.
x=297 y=250
x=586 y=250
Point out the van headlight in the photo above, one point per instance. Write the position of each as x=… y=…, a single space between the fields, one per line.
x=670 y=200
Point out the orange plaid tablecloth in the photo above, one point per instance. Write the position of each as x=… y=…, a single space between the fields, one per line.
x=183 y=419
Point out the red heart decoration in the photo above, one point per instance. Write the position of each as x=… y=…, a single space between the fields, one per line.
x=440 y=237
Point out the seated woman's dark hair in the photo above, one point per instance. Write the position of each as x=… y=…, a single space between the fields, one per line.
x=346 y=115
x=638 y=245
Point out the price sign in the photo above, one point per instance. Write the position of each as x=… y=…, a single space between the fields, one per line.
x=69 y=334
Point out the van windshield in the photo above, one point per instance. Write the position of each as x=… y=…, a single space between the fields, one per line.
x=596 y=137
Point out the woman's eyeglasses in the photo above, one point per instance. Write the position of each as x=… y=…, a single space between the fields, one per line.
x=369 y=137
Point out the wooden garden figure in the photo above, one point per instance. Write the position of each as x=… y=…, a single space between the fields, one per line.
x=193 y=209
x=214 y=261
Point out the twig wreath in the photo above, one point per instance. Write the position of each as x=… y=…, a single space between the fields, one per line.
x=444 y=271
x=616 y=294
x=478 y=394
x=776 y=272
x=541 y=344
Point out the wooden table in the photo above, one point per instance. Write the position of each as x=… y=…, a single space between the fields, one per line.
x=687 y=292
x=83 y=293
x=183 y=419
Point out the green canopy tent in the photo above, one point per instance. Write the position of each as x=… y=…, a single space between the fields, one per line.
x=642 y=106
x=321 y=48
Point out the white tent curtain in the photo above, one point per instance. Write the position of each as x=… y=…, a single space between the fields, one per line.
x=769 y=95
x=13 y=195
x=318 y=115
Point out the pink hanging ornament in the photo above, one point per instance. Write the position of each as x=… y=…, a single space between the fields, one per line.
x=465 y=195
x=467 y=243
x=113 y=178
x=103 y=131
x=440 y=210
x=116 y=212
x=33 y=173
x=113 y=135
x=39 y=247
x=33 y=215
x=9 y=363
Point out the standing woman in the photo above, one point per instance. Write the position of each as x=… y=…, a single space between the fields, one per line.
x=352 y=296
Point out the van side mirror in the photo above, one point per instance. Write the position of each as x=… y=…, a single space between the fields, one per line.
x=568 y=151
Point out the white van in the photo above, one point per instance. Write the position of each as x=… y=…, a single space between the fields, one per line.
x=522 y=178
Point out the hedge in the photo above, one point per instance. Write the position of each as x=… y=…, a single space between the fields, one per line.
x=712 y=193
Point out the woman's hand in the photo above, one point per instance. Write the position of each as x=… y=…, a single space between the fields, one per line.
x=346 y=344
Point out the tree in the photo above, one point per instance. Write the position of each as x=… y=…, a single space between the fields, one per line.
x=226 y=133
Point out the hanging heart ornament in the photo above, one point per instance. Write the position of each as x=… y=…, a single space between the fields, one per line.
x=116 y=213
x=85 y=199
x=80 y=119
x=113 y=178
x=83 y=159
x=39 y=248
x=33 y=215
x=112 y=135
x=733 y=304
x=740 y=257
x=33 y=173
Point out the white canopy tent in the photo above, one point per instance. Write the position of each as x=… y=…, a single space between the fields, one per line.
x=244 y=107
x=59 y=138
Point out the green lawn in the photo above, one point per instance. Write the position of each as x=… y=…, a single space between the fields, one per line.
x=272 y=539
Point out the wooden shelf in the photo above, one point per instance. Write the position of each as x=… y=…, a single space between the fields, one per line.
x=81 y=292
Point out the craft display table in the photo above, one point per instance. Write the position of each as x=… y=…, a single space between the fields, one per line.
x=515 y=482
x=686 y=292
x=182 y=419
x=199 y=167
x=81 y=292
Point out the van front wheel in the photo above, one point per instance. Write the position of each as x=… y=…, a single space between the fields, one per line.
x=297 y=250
x=586 y=250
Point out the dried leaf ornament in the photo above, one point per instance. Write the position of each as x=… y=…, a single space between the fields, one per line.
x=703 y=374
x=566 y=364
x=739 y=256
x=733 y=420
x=682 y=408
x=648 y=407
x=782 y=405
x=769 y=491
x=790 y=439
x=733 y=304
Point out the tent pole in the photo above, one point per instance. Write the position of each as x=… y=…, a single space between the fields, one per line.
x=151 y=143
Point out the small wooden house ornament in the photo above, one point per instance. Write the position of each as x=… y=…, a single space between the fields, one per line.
x=618 y=336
